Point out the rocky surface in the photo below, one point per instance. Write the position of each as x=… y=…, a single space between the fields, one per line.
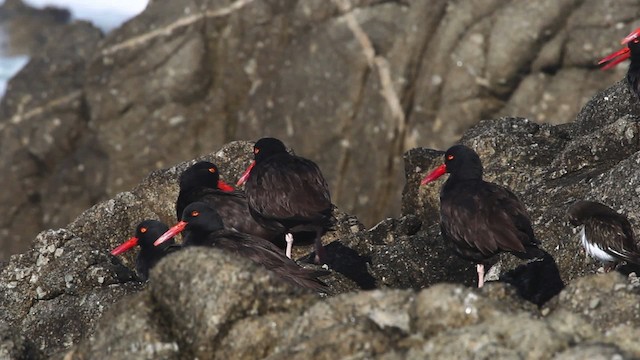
x=396 y=290
x=218 y=72
x=26 y=30
x=92 y=116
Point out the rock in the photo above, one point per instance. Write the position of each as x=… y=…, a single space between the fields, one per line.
x=28 y=29
x=207 y=304
x=16 y=346
x=80 y=124
x=593 y=351
x=549 y=167
x=201 y=312
x=134 y=319
x=444 y=307
x=45 y=98
x=601 y=301
x=500 y=337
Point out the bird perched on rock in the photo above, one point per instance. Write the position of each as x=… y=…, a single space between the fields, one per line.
x=630 y=51
x=201 y=182
x=481 y=219
x=146 y=233
x=606 y=235
x=204 y=227
x=288 y=193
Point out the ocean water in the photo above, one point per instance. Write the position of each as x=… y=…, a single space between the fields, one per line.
x=105 y=14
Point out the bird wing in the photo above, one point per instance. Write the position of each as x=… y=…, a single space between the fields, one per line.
x=616 y=234
x=306 y=188
x=268 y=255
x=487 y=217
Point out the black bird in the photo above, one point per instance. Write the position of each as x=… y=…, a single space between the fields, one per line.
x=146 y=233
x=204 y=227
x=481 y=219
x=630 y=51
x=538 y=280
x=606 y=235
x=288 y=193
x=201 y=182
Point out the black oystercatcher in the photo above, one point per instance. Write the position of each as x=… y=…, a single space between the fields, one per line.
x=287 y=193
x=606 y=235
x=479 y=218
x=146 y=233
x=632 y=51
x=201 y=182
x=204 y=227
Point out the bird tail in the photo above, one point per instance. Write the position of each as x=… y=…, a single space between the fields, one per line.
x=626 y=256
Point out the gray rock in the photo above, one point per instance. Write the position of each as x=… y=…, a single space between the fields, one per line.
x=16 y=346
x=593 y=351
x=600 y=300
x=26 y=30
x=90 y=116
x=207 y=304
x=201 y=312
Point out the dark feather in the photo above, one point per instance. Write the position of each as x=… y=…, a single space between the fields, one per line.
x=606 y=228
x=633 y=74
x=232 y=207
x=306 y=201
x=205 y=228
x=483 y=219
x=149 y=254
x=266 y=254
x=198 y=183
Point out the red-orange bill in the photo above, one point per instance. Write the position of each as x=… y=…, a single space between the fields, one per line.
x=615 y=58
x=125 y=246
x=632 y=36
x=173 y=231
x=245 y=174
x=224 y=186
x=436 y=173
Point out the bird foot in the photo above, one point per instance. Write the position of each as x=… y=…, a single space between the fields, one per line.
x=289 y=239
x=480 y=268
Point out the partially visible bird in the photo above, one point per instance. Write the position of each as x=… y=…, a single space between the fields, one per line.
x=630 y=51
x=288 y=193
x=147 y=232
x=606 y=235
x=481 y=219
x=201 y=182
x=204 y=227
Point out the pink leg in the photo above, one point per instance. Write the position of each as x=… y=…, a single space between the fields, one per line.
x=289 y=239
x=480 y=268
x=609 y=266
x=320 y=255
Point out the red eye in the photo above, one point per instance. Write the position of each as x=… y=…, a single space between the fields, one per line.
x=195 y=213
x=143 y=230
x=212 y=170
x=450 y=157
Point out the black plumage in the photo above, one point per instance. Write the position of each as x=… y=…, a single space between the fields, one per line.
x=481 y=219
x=288 y=193
x=606 y=235
x=147 y=232
x=630 y=51
x=204 y=227
x=201 y=182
